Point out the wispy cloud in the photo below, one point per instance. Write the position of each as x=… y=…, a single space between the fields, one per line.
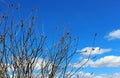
x=114 y=35
x=94 y=51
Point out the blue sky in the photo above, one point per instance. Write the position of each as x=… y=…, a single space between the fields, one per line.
x=84 y=18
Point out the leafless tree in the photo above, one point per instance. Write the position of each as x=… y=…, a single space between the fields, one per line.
x=26 y=54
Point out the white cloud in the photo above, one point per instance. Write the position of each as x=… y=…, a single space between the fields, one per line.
x=92 y=75
x=114 y=75
x=83 y=75
x=93 y=51
x=40 y=63
x=108 y=61
x=114 y=35
x=81 y=64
